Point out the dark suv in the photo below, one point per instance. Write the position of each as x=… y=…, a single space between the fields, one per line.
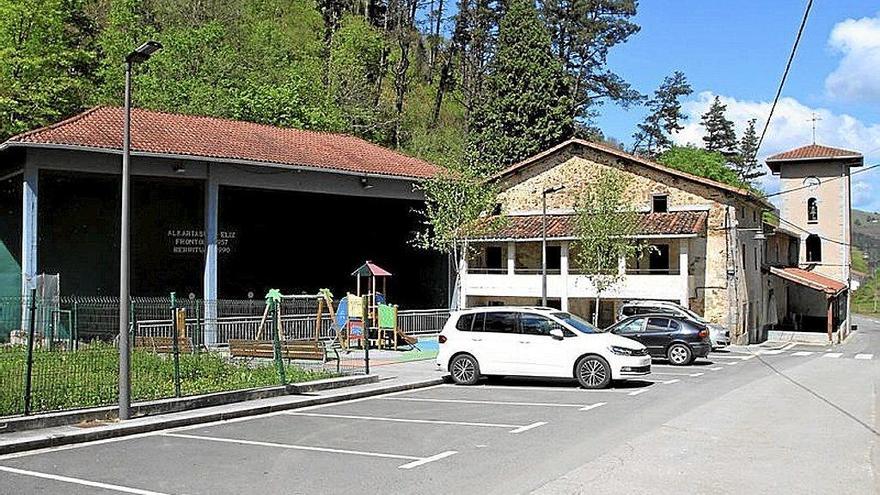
x=681 y=340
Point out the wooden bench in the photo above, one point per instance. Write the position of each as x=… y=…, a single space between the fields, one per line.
x=163 y=344
x=308 y=350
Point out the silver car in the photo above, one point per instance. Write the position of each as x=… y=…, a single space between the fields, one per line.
x=718 y=335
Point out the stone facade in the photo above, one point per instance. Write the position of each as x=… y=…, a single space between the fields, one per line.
x=725 y=263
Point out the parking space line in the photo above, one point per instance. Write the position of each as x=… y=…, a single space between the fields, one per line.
x=80 y=481
x=670 y=382
x=592 y=406
x=721 y=356
x=410 y=420
x=772 y=352
x=421 y=462
x=802 y=353
x=733 y=363
x=488 y=402
x=832 y=355
x=539 y=388
x=293 y=447
x=529 y=427
x=678 y=374
x=716 y=368
x=639 y=391
x=864 y=356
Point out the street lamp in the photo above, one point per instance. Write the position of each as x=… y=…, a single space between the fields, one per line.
x=544 y=193
x=140 y=54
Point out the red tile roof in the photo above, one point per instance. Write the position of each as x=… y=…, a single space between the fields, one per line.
x=564 y=225
x=810 y=279
x=162 y=133
x=814 y=152
x=635 y=159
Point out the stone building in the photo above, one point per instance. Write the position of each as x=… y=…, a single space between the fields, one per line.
x=706 y=237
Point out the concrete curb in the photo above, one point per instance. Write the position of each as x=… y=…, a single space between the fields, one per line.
x=150 y=424
x=173 y=405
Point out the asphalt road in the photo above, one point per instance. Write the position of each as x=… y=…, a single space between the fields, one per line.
x=780 y=419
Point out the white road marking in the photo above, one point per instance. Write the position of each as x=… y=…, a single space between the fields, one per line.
x=679 y=374
x=864 y=356
x=295 y=447
x=722 y=356
x=770 y=353
x=716 y=368
x=639 y=391
x=733 y=363
x=670 y=382
x=487 y=402
x=832 y=355
x=802 y=353
x=409 y=420
x=539 y=388
x=529 y=427
x=79 y=481
x=426 y=460
x=592 y=406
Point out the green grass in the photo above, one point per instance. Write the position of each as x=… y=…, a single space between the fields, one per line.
x=88 y=377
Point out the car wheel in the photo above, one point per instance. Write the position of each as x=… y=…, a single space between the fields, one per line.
x=593 y=372
x=464 y=369
x=680 y=355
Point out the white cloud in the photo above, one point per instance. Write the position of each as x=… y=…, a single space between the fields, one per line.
x=791 y=128
x=857 y=78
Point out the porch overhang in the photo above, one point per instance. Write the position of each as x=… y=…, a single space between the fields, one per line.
x=830 y=287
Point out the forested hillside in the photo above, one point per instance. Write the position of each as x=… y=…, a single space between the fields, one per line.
x=418 y=75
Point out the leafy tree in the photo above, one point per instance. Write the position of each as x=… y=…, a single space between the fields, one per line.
x=583 y=32
x=606 y=229
x=746 y=162
x=47 y=62
x=453 y=211
x=700 y=162
x=526 y=104
x=664 y=117
x=720 y=135
x=355 y=65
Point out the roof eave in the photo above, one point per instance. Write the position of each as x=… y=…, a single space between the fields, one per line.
x=213 y=159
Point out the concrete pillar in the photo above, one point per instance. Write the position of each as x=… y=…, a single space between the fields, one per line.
x=212 y=207
x=683 y=272
x=28 y=239
x=563 y=274
x=511 y=258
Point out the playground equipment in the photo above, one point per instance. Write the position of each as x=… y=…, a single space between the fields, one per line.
x=382 y=316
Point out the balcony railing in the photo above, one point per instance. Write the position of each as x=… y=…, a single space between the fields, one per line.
x=556 y=271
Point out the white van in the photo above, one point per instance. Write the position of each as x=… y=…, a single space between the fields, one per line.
x=539 y=342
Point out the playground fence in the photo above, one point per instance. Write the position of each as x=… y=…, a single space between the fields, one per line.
x=62 y=353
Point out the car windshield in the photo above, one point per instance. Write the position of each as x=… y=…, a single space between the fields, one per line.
x=577 y=323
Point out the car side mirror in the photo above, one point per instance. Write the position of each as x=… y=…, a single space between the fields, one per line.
x=557 y=334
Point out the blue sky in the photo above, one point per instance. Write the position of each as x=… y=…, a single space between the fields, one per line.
x=737 y=50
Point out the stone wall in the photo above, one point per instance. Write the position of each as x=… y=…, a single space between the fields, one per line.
x=727 y=289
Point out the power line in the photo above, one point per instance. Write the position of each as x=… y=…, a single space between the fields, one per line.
x=797 y=41
x=863 y=170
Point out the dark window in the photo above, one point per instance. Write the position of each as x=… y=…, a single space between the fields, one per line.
x=814 y=249
x=744 y=257
x=633 y=326
x=530 y=324
x=812 y=210
x=660 y=203
x=756 y=258
x=554 y=257
x=657 y=325
x=673 y=325
x=465 y=322
x=478 y=322
x=658 y=258
x=754 y=215
x=500 y=322
x=493 y=257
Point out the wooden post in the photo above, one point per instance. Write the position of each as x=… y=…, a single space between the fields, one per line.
x=318 y=318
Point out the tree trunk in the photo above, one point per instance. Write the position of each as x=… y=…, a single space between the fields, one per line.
x=596 y=312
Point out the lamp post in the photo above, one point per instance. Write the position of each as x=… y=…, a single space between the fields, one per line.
x=140 y=54
x=544 y=193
